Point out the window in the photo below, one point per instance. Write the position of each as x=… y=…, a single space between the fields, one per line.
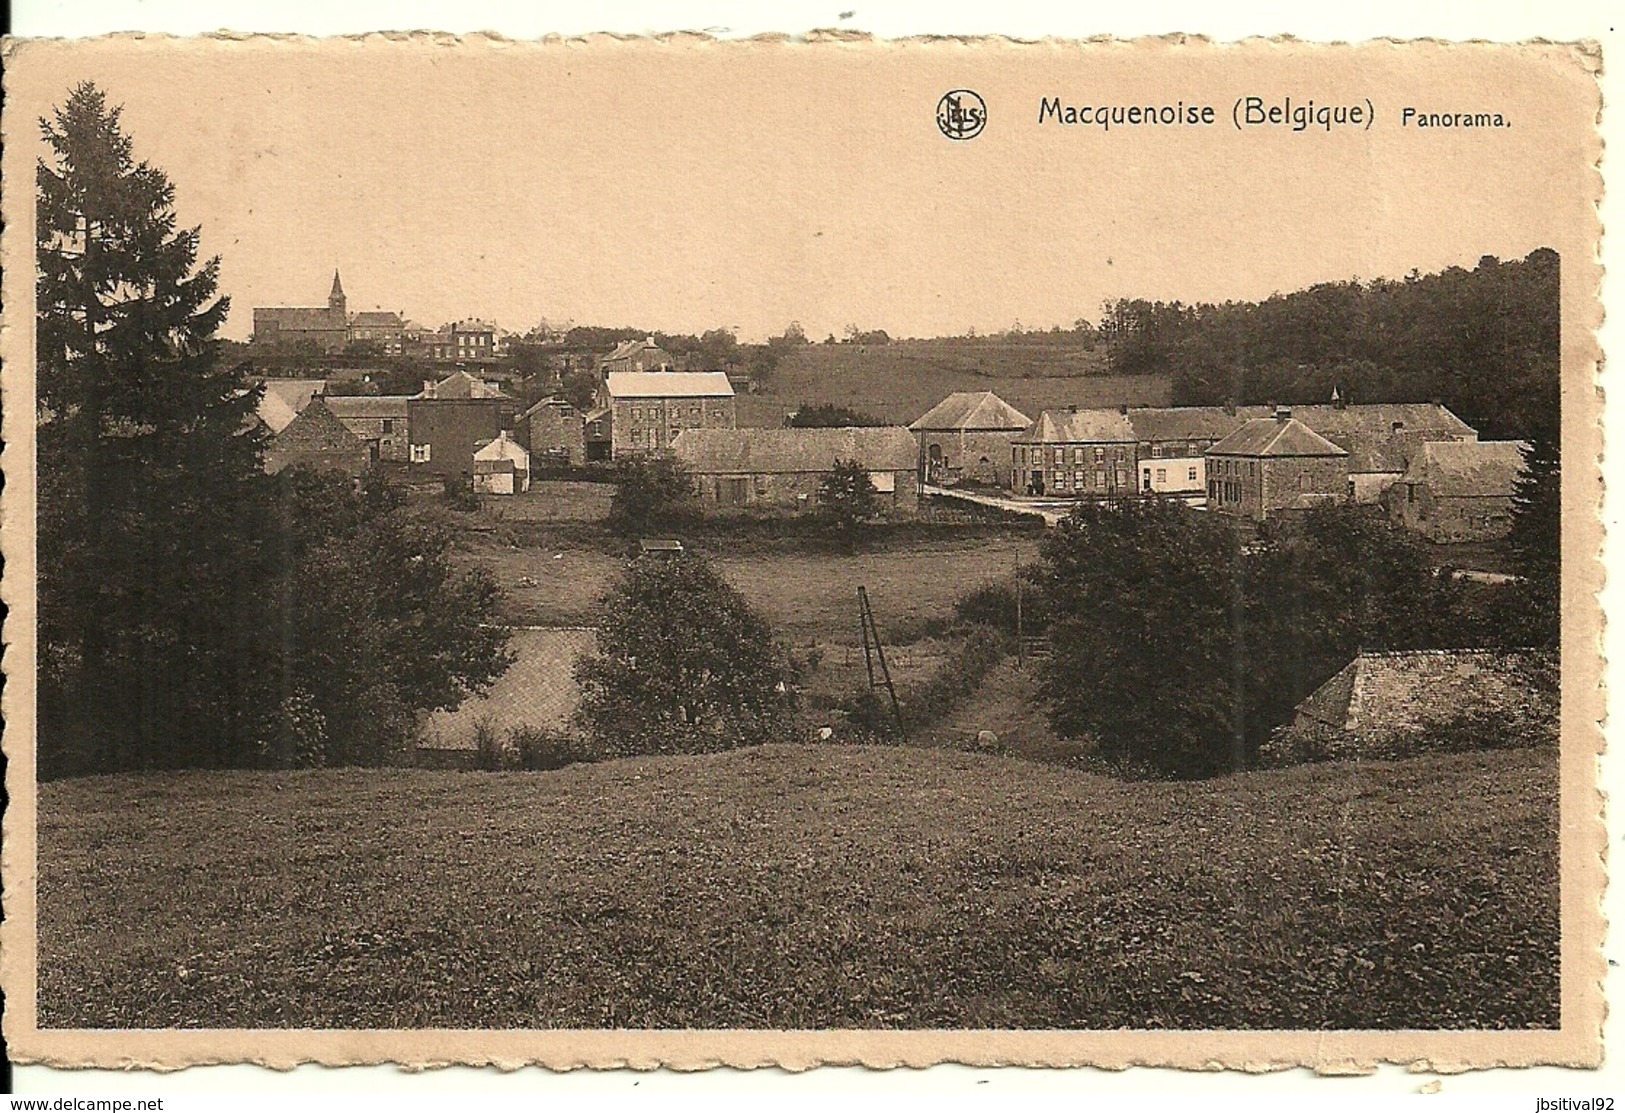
x=389 y=425
x=1162 y=475
x=1156 y=450
x=1190 y=476
x=1100 y=455
x=1121 y=455
x=884 y=482
x=1060 y=456
x=1303 y=481
x=1077 y=478
x=420 y=453
x=1100 y=478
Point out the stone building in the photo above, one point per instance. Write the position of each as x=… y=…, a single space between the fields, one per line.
x=1385 y=705
x=317 y=439
x=637 y=355
x=554 y=431
x=1075 y=453
x=502 y=467
x=967 y=437
x=782 y=469
x=1275 y=464
x=378 y=419
x=648 y=409
x=327 y=327
x=1459 y=491
x=444 y=433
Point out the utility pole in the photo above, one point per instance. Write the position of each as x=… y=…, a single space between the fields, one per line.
x=871 y=635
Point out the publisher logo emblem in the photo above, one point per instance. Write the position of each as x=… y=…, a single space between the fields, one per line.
x=961 y=114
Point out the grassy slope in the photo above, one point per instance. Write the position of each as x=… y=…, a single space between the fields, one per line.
x=797 y=886
x=806 y=593
x=900 y=381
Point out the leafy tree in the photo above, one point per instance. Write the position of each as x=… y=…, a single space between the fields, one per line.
x=651 y=492
x=580 y=387
x=828 y=415
x=683 y=664
x=846 y=496
x=378 y=624
x=148 y=468
x=1142 y=604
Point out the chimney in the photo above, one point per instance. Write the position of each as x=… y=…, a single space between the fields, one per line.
x=1337 y=399
x=1072 y=409
x=1283 y=413
x=1230 y=407
x=1123 y=409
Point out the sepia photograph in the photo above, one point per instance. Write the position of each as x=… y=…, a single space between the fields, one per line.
x=690 y=551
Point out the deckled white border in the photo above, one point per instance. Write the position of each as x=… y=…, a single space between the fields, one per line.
x=1016 y=19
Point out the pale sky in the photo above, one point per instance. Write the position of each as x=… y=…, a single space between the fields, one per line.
x=686 y=186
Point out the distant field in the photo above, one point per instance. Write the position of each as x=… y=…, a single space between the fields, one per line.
x=805 y=595
x=900 y=381
x=805 y=887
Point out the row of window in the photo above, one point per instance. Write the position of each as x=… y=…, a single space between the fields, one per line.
x=1233 y=467
x=673 y=411
x=1080 y=480
x=1059 y=456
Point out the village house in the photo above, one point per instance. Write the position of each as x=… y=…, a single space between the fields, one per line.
x=648 y=409
x=783 y=468
x=1275 y=464
x=327 y=327
x=1396 y=704
x=502 y=467
x=451 y=419
x=378 y=419
x=1382 y=438
x=554 y=431
x=473 y=340
x=967 y=438
x=1075 y=453
x=385 y=329
x=1459 y=491
x=316 y=439
x=636 y=355
x=1173 y=443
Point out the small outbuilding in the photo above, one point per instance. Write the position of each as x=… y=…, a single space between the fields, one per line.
x=1397 y=704
x=502 y=467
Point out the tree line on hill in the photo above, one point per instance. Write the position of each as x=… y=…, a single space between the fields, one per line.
x=1485 y=342
x=194 y=611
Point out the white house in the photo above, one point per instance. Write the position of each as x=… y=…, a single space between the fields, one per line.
x=502 y=467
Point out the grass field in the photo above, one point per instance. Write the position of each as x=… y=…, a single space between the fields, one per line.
x=902 y=380
x=806 y=594
x=799 y=886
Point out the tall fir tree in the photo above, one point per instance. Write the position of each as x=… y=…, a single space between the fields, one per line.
x=1536 y=539
x=149 y=468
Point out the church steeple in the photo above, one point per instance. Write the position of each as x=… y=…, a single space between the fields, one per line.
x=335 y=299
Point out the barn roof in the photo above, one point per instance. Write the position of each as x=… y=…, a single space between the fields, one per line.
x=669 y=384
x=314 y=434
x=1469 y=469
x=460 y=384
x=1402 y=692
x=1079 y=427
x=1276 y=436
x=284 y=398
x=356 y=406
x=972 y=410
x=771 y=451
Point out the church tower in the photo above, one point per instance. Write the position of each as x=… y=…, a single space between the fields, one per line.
x=335 y=299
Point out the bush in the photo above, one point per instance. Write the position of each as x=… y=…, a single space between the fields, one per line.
x=869 y=711
x=539 y=749
x=994 y=604
x=458 y=491
x=651 y=492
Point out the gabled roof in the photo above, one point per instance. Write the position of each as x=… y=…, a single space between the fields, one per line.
x=1079 y=427
x=314 y=432
x=358 y=406
x=1379 y=419
x=979 y=410
x=1160 y=424
x=780 y=451
x=626 y=349
x=1275 y=436
x=1468 y=469
x=473 y=324
x=550 y=400
x=1403 y=692
x=460 y=384
x=284 y=398
x=668 y=384
x=376 y=318
x=300 y=317
x=502 y=448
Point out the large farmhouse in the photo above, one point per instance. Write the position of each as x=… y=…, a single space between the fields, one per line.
x=1079 y=453
x=783 y=468
x=648 y=409
x=1273 y=464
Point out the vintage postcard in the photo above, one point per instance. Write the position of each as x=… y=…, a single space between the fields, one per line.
x=676 y=552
